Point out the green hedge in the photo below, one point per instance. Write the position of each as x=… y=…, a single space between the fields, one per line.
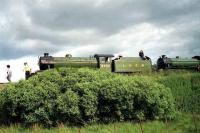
x=82 y=96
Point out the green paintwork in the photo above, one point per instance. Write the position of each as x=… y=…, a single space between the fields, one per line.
x=122 y=65
x=183 y=63
x=76 y=62
x=132 y=65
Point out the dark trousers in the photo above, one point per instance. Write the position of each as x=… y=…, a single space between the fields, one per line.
x=27 y=74
x=8 y=78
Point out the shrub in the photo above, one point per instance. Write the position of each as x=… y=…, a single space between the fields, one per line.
x=81 y=96
x=67 y=107
x=135 y=98
x=27 y=103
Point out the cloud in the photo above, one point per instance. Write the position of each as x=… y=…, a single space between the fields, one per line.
x=29 y=28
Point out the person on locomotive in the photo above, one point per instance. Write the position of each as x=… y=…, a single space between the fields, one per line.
x=117 y=57
x=141 y=54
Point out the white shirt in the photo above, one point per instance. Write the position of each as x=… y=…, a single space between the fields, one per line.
x=9 y=72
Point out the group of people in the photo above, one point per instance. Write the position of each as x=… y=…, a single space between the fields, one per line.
x=26 y=69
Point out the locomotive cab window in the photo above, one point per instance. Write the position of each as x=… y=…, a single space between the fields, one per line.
x=105 y=59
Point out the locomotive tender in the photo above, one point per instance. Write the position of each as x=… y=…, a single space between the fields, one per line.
x=105 y=62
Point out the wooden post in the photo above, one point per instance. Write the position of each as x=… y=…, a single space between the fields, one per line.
x=79 y=130
x=114 y=128
x=166 y=122
x=140 y=123
x=193 y=116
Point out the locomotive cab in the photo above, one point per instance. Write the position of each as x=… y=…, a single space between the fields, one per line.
x=104 y=61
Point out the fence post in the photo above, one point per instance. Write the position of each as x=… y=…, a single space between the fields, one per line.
x=193 y=116
x=140 y=123
x=79 y=130
x=114 y=128
x=166 y=123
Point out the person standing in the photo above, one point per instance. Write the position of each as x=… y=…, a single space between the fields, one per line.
x=9 y=73
x=27 y=70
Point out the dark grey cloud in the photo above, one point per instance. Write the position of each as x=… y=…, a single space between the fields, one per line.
x=32 y=27
x=9 y=50
x=112 y=16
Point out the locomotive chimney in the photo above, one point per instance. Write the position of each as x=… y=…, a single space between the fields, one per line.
x=46 y=54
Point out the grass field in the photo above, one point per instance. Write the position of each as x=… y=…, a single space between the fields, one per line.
x=183 y=124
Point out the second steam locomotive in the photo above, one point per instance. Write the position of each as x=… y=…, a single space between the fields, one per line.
x=178 y=63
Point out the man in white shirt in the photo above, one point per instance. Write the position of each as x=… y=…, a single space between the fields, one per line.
x=9 y=73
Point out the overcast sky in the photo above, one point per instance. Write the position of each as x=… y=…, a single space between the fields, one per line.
x=28 y=28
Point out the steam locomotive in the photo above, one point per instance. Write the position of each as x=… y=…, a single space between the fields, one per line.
x=105 y=62
x=119 y=64
x=178 y=63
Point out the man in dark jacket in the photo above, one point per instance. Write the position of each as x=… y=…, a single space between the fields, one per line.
x=141 y=54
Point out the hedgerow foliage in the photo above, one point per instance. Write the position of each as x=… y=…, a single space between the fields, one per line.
x=82 y=96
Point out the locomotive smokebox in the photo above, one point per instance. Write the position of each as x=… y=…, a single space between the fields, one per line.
x=196 y=57
x=161 y=63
